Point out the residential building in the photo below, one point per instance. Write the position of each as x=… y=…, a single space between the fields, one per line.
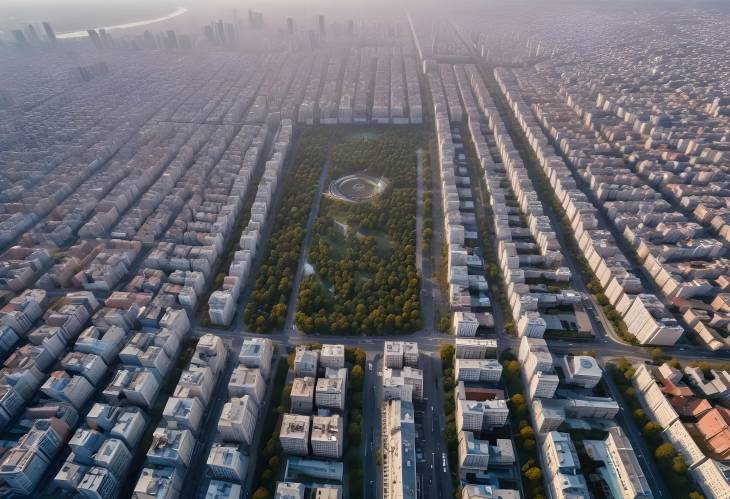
x=330 y=393
x=478 y=370
x=562 y=468
x=218 y=489
x=306 y=362
x=257 y=353
x=476 y=416
x=473 y=453
x=332 y=356
x=237 y=422
x=327 y=436
x=183 y=413
x=247 y=381
x=302 y=395
x=171 y=447
x=399 y=451
x=225 y=462
x=158 y=483
x=581 y=370
x=472 y=348
x=294 y=434
x=402 y=383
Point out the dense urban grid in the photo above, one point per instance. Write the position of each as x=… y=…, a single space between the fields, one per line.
x=474 y=251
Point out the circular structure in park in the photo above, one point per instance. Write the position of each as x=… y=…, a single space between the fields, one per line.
x=357 y=187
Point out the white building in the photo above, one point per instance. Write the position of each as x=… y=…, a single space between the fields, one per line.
x=183 y=413
x=171 y=447
x=543 y=385
x=247 y=381
x=531 y=324
x=473 y=453
x=327 y=436
x=226 y=463
x=471 y=348
x=399 y=450
x=403 y=384
x=465 y=324
x=294 y=434
x=332 y=356
x=478 y=370
x=477 y=416
x=302 y=395
x=581 y=370
x=218 y=489
x=562 y=468
x=257 y=353
x=330 y=393
x=305 y=362
x=237 y=422
x=158 y=483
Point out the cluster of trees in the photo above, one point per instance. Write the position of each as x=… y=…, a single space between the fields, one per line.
x=267 y=306
x=447 y=353
x=519 y=423
x=270 y=458
x=366 y=279
x=671 y=464
x=427 y=234
x=356 y=358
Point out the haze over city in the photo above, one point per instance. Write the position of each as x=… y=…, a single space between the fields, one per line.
x=364 y=249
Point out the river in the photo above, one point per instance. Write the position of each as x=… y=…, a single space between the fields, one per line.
x=78 y=34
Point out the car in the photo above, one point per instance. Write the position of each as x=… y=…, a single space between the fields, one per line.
x=370 y=366
x=443 y=461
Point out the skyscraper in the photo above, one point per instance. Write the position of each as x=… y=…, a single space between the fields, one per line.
x=220 y=32
x=171 y=40
x=33 y=34
x=20 y=37
x=49 y=32
x=290 y=25
x=321 y=24
x=94 y=36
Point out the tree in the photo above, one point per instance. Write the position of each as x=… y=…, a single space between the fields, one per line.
x=267 y=476
x=518 y=399
x=447 y=352
x=512 y=367
x=444 y=323
x=533 y=474
x=357 y=376
x=353 y=431
x=261 y=493
x=664 y=451
x=657 y=354
x=678 y=464
x=527 y=432
x=696 y=495
x=639 y=414
x=652 y=432
x=528 y=444
x=274 y=462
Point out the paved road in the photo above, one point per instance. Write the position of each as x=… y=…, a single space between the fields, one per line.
x=371 y=441
x=437 y=482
